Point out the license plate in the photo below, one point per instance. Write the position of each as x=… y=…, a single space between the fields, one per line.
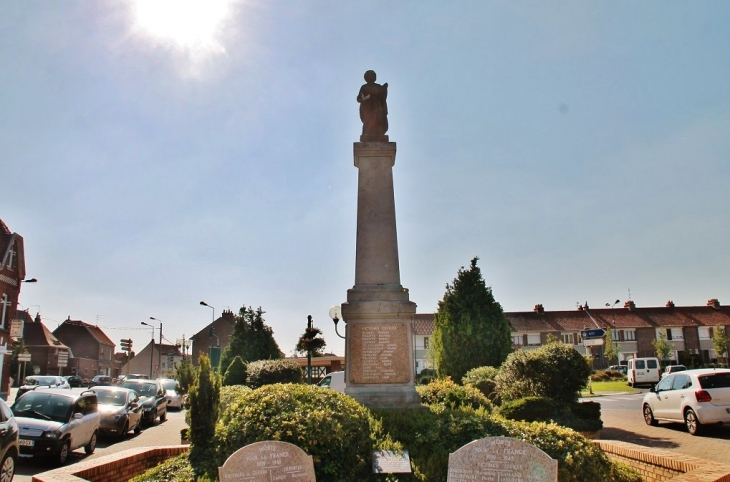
x=26 y=443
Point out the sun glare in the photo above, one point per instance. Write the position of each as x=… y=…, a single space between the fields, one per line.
x=191 y=24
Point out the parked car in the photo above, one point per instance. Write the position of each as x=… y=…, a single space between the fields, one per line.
x=137 y=376
x=643 y=371
x=9 y=448
x=696 y=397
x=52 y=423
x=618 y=368
x=335 y=381
x=45 y=381
x=153 y=398
x=673 y=369
x=120 y=411
x=173 y=393
x=100 y=381
x=74 y=381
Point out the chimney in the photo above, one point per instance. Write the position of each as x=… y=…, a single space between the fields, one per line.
x=228 y=315
x=630 y=305
x=585 y=305
x=580 y=308
x=670 y=304
x=37 y=318
x=539 y=309
x=714 y=303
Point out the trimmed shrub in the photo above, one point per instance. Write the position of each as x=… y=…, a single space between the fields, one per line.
x=447 y=393
x=426 y=375
x=176 y=469
x=482 y=378
x=607 y=376
x=235 y=373
x=267 y=372
x=554 y=371
x=331 y=427
x=204 y=399
x=231 y=394
x=581 y=417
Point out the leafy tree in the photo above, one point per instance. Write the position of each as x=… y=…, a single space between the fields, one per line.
x=185 y=375
x=720 y=342
x=235 y=373
x=662 y=347
x=470 y=327
x=252 y=338
x=204 y=401
x=610 y=349
x=311 y=341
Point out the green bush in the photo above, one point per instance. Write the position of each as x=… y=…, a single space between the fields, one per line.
x=554 y=371
x=330 y=426
x=231 y=394
x=581 y=417
x=607 y=376
x=426 y=375
x=204 y=403
x=447 y=393
x=235 y=373
x=482 y=378
x=267 y=372
x=176 y=469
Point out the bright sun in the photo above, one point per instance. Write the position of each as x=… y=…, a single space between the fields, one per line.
x=192 y=24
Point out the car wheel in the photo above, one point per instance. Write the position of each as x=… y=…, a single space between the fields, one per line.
x=7 y=469
x=62 y=454
x=694 y=427
x=91 y=446
x=138 y=428
x=124 y=431
x=163 y=417
x=649 y=416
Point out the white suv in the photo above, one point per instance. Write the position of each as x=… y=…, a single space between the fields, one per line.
x=52 y=423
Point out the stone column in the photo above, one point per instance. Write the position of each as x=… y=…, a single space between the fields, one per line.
x=379 y=369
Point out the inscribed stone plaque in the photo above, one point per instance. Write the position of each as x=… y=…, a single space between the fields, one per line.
x=380 y=353
x=501 y=459
x=390 y=462
x=266 y=462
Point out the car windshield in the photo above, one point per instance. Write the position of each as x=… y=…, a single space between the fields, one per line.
x=40 y=381
x=109 y=397
x=45 y=406
x=170 y=384
x=142 y=389
x=715 y=380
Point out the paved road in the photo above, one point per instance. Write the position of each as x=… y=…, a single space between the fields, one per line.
x=166 y=433
x=623 y=420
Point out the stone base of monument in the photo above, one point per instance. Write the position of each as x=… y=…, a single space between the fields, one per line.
x=379 y=364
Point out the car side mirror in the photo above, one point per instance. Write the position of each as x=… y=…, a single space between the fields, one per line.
x=653 y=389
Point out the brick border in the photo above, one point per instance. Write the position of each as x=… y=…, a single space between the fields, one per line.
x=657 y=465
x=118 y=467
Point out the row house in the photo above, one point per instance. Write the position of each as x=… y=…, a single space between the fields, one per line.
x=156 y=360
x=12 y=275
x=93 y=351
x=214 y=338
x=689 y=329
x=48 y=356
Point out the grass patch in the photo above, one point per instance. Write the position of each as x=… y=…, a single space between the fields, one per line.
x=615 y=386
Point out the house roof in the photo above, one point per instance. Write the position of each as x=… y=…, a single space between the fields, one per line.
x=35 y=333
x=423 y=324
x=218 y=322
x=93 y=330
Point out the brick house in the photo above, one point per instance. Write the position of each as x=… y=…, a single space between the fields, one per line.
x=46 y=351
x=12 y=275
x=202 y=341
x=93 y=351
x=688 y=329
x=155 y=358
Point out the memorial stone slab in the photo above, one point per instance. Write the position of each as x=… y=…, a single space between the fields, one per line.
x=266 y=462
x=501 y=459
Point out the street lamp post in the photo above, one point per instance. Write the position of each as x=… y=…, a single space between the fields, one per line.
x=335 y=314
x=159 y=347
x=613 y=316
x=152 y=349
x=211 y=332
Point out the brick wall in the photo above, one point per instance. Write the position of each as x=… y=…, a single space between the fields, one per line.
x=118 y=467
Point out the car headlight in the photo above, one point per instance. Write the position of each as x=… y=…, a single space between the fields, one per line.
x=52 y=434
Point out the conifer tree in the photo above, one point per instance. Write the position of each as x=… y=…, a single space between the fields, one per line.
x=204 y=400
x=235 y=373
x=252 y=338
x=470 y=327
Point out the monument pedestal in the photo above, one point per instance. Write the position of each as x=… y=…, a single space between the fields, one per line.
x=379 y=367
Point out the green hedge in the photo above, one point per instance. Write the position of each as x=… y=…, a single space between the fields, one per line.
x=267 y=372
x=581 y=417
x=447 y=393
x=231 y=394
x=483 y=379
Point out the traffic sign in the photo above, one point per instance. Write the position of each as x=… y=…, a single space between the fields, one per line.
x=127 y=344
x=593 y=342
x=16 y=329
x=595 y=333
x=24 y=357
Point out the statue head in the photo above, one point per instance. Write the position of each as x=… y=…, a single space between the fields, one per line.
x=370 y=76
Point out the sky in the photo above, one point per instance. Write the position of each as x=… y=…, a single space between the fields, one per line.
x=155 y=154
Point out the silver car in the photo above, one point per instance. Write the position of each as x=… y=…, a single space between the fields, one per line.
x=173 y=393
x=695 y=397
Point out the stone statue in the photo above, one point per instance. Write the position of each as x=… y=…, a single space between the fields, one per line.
x=373 y=109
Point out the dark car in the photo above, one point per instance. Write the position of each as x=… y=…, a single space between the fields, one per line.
x=9 y=447
x=153 y=398
x=100 y=381
x=120 y=411
x=75 y=381
x=52 y=423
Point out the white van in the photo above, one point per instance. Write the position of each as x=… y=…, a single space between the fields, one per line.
x=643 y=371
x=335 y=381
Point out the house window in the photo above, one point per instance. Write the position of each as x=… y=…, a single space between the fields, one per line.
x=517 y=340
x=677 y=334
x=533 y=339
x=4 y=311
x=568 y=338
x=425 y=342
x=669 y=333
x=705 y=332
x=630 y=335
x=615 y=335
